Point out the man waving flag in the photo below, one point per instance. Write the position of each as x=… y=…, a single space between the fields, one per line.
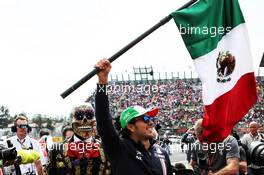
x=215 y=35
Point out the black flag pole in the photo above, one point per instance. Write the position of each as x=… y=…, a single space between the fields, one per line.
x=262 y=61
x=123 y=50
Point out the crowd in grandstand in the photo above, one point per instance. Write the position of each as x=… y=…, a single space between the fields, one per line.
x=180 y=101
x=256 y=113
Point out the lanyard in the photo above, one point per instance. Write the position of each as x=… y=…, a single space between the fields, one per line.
x=23 y=146
x=31 y=170
x=211 y=159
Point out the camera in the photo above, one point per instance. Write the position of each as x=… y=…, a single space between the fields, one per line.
x=256 y=153
x=7 y=153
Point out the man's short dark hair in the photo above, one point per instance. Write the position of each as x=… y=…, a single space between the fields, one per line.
x=43 y=133
x=125 y=133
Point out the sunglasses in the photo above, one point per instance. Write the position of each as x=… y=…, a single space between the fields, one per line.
x=24 y=126
x=80 y=115
x=147 y=119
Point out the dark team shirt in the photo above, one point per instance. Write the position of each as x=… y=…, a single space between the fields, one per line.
x=126 y=156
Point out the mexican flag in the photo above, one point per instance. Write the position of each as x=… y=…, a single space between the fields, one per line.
x=215 y=34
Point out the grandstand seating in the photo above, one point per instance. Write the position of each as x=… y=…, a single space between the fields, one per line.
x=180 y=100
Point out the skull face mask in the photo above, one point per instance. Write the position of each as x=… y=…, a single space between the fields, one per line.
x=83 y=121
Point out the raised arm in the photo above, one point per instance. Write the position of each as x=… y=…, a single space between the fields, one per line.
x=106 y=130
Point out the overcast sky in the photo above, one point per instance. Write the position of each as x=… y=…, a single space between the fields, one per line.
x=46 y=46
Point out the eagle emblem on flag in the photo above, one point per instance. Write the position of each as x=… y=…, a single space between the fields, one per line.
x=225 y=64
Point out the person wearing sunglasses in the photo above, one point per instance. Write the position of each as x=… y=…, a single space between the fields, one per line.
x=22 y=141
x=136 y=151
x=81 y=153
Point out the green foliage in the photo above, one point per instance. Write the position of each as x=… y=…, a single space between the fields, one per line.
x=5 y=118
x=49 y=124
x=44 y=121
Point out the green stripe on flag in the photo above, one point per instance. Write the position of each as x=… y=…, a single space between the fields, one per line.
x=204 y=24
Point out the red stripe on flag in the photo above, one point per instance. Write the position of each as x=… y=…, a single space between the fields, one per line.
x=228 y=109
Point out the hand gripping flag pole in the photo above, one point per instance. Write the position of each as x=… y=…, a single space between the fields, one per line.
x=123 y=50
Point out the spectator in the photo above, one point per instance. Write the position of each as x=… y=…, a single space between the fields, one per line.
x=214 y=158
x=189 y=138
x=135 y=153
x=22 y=141
x=166 y=144
x=247 y=139
x=46 y=144
x=67 y=133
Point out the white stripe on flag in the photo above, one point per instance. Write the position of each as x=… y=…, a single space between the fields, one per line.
x=237 y=43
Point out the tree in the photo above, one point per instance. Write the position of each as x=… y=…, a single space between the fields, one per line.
x=38 y=119
x=49 y=124
x=4 y=116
